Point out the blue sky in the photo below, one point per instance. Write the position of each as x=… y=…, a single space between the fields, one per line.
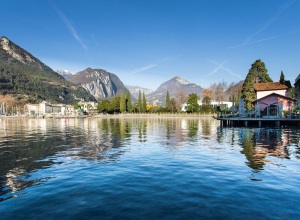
x=147 y=42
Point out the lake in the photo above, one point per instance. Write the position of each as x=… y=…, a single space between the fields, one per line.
x=150 y=168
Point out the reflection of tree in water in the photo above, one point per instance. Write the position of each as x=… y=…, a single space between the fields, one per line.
x=254 y=157
x=142 y=128
x=25 y=152
x=206 y=128
x=192 y=128
x=261 y=143
x=170 y=128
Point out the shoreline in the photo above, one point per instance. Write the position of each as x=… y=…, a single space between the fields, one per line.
x=126 y=115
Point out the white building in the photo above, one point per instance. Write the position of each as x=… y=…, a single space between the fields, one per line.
x=88 y=106
x=46 y=108
x=213 y=104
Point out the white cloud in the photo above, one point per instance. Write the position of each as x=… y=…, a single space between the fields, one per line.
x=70 y=27
x=252 y=42
x=281 y=11
x=151 y=66
x=144 y=68
x=220 y=66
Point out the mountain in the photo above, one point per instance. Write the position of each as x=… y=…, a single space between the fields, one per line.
x=173 y=85
x=24 y=75
x=134 y=90
x=65 y=73
x=100 y=83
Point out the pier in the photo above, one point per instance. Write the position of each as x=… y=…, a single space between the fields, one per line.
x=257 y=122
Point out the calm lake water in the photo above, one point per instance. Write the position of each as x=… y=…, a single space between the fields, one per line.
x=147 y=169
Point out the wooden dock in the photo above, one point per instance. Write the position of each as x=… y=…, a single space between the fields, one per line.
x=258 y=122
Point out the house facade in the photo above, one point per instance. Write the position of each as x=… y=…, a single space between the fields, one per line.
x=265 y=89
x=272 y=99
x=46 y=108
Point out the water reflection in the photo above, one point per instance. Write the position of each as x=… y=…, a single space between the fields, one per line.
x=259 y=145
x=30 y=145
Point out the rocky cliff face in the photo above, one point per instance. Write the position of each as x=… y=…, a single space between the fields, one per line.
x=99 y=83
x=134 y=90
x=17 y=52
x=24 y=75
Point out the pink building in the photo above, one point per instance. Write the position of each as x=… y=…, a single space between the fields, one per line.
x=272 y=98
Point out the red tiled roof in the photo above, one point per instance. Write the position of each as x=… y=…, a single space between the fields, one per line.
x=269 y=86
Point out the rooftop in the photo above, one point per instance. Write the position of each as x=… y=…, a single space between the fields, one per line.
x=269 y=86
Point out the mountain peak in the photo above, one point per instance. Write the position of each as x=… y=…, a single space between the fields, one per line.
x=16 y=51
x=181 y=80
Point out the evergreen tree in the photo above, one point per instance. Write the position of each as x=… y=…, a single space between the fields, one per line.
x=257 y=74
x=168 y=102
x=282 y=78
x=114 y=106
x=139 y=103
x=192 y=103
x=123 y=102
x=144 y=103
x=128 y=102
x=103 y=106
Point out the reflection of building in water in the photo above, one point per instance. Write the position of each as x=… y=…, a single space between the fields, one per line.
x=258 y=145
x=261 y=143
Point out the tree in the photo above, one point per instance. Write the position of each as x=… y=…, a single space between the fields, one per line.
x=257 y=74
x=180 y=98
x=206 y=101
x=173 y=104
x=103 y=106
x=139 y=102
x=192 y=103
x=282 y=78
x=114 y=106
x=123 y=103
x=206 y=104
x=168 y=102
x=144 y=103
x=128 y=102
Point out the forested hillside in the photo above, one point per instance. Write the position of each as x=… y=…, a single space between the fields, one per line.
x=23 y=75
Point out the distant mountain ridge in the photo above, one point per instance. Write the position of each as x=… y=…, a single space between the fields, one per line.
x=134 y=90
x=176 y=84
x=65 y=73
x=99 y=83
x=23 y=74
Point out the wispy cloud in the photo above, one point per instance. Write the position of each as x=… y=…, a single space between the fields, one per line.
x=96 y=42
x=249 y=39
x=144 y=68
x=220 y=66
x=70 y=27
x=252 y=42
x=281 y=11
x=150 y=66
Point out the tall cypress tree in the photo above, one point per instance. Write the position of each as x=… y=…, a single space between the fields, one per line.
x=144 y=103
x=139 y=104
x=257 y=74
x=128 y=102
x=282 y=78
x=168 y=102
x=123 y=102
